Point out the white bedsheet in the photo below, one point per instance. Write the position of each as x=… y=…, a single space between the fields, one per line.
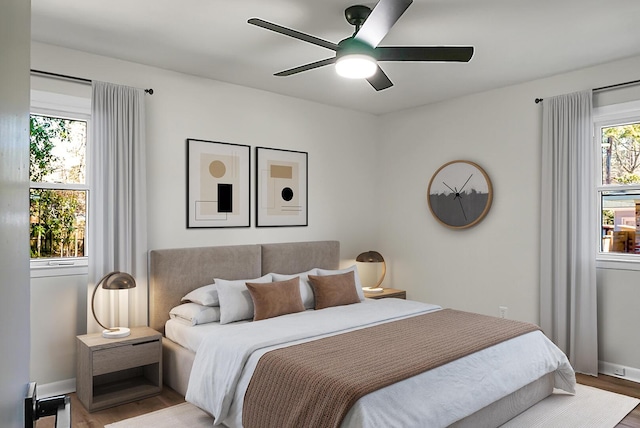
x=227 y=358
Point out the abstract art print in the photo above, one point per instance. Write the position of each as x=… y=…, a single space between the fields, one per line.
x=281 y=193
x=218 y=184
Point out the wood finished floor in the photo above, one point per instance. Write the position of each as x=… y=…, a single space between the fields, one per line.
x=81 y=418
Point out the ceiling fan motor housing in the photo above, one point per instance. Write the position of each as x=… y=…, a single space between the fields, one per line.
x=351 y=46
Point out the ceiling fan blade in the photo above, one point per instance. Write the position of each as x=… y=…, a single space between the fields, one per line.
x=424 y=53
x=293 y=33
x=306 y=67
x=379 y=81
x=382 y=17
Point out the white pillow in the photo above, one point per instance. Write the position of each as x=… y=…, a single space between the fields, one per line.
x=235 y=301
x=195 y=313
x=306 y=292
x=206 y=295
x=326 y=272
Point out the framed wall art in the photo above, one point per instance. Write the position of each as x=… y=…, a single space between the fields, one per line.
x=460 y=194
x=218 y=183
x=281 y=191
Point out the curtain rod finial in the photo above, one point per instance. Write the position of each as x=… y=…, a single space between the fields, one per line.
x=149 y=91
x=538 y=100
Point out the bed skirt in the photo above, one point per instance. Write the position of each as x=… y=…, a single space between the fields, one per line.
x=176 y=365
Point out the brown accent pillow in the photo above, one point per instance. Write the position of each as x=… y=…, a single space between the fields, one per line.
x=334 y=290
x=272 y=299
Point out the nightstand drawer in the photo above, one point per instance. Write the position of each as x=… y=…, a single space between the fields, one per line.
x=126 y=357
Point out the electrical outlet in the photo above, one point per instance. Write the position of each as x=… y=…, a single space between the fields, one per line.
x=619 y=371
x=503 y=311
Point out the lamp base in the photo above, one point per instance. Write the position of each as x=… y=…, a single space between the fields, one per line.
x=117 y=333
x=372 y=289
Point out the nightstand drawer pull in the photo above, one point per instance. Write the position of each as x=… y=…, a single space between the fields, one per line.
x=126 y=357
x=144 y=343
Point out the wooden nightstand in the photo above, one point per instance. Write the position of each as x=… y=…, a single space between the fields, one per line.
x=388 y=292
x=115 y=371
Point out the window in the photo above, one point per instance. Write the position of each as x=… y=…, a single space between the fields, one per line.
x=617 y=134
x=58 y=195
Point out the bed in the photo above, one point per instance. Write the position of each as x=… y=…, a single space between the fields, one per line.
x=505 y=379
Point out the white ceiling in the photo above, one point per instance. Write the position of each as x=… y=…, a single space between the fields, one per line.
x=515 y=41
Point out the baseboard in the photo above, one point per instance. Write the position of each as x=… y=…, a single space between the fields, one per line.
x=611 y=369
x=56 y=388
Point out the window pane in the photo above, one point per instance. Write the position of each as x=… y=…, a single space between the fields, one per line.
x=58 y=223
x=620 y=218
x=57 y=149
x=621 y=154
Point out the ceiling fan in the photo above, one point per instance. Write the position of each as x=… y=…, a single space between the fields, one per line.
x=357 y=56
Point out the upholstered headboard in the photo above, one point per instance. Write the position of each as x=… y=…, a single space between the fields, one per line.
x=175 y=272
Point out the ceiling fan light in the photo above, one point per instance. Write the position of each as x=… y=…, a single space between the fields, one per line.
x=356 y=66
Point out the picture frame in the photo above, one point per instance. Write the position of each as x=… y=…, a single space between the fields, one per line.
x=218 y=184
x=460 y=194
x=281 y=187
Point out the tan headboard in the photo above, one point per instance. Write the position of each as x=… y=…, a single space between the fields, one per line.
x=175 y=272
x=296 y=257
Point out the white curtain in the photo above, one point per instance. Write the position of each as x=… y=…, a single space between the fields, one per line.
x=117 y=203
x=568 y=308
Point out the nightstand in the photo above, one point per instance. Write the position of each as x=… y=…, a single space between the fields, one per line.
x=387 y=292
x=116 y=371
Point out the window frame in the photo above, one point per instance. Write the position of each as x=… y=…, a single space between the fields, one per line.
x=74 y=108
x=611 y=115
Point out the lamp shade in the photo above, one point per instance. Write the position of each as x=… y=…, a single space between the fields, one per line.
x=113 y=281
x=373 y=257
x=370 y=257
x=118 y=281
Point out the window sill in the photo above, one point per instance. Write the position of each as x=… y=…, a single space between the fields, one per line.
x=621 y=262
x=57 y=267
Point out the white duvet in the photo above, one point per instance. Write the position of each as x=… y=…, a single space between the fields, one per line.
x=227 y=358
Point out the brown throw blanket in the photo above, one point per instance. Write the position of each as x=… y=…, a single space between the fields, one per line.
x=314 y=384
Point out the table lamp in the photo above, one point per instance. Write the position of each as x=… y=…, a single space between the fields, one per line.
x=113 y=281
x=373 y=257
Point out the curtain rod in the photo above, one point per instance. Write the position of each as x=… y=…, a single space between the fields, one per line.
x=75 y=79
x=604 y=88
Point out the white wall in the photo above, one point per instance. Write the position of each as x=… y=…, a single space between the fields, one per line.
x=342 y=164
x=492 y=264
x=58 y=314
x=496 y=262
x=14 y=218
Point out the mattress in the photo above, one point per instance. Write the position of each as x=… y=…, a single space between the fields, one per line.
x=190 y=336
x=228 y=355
